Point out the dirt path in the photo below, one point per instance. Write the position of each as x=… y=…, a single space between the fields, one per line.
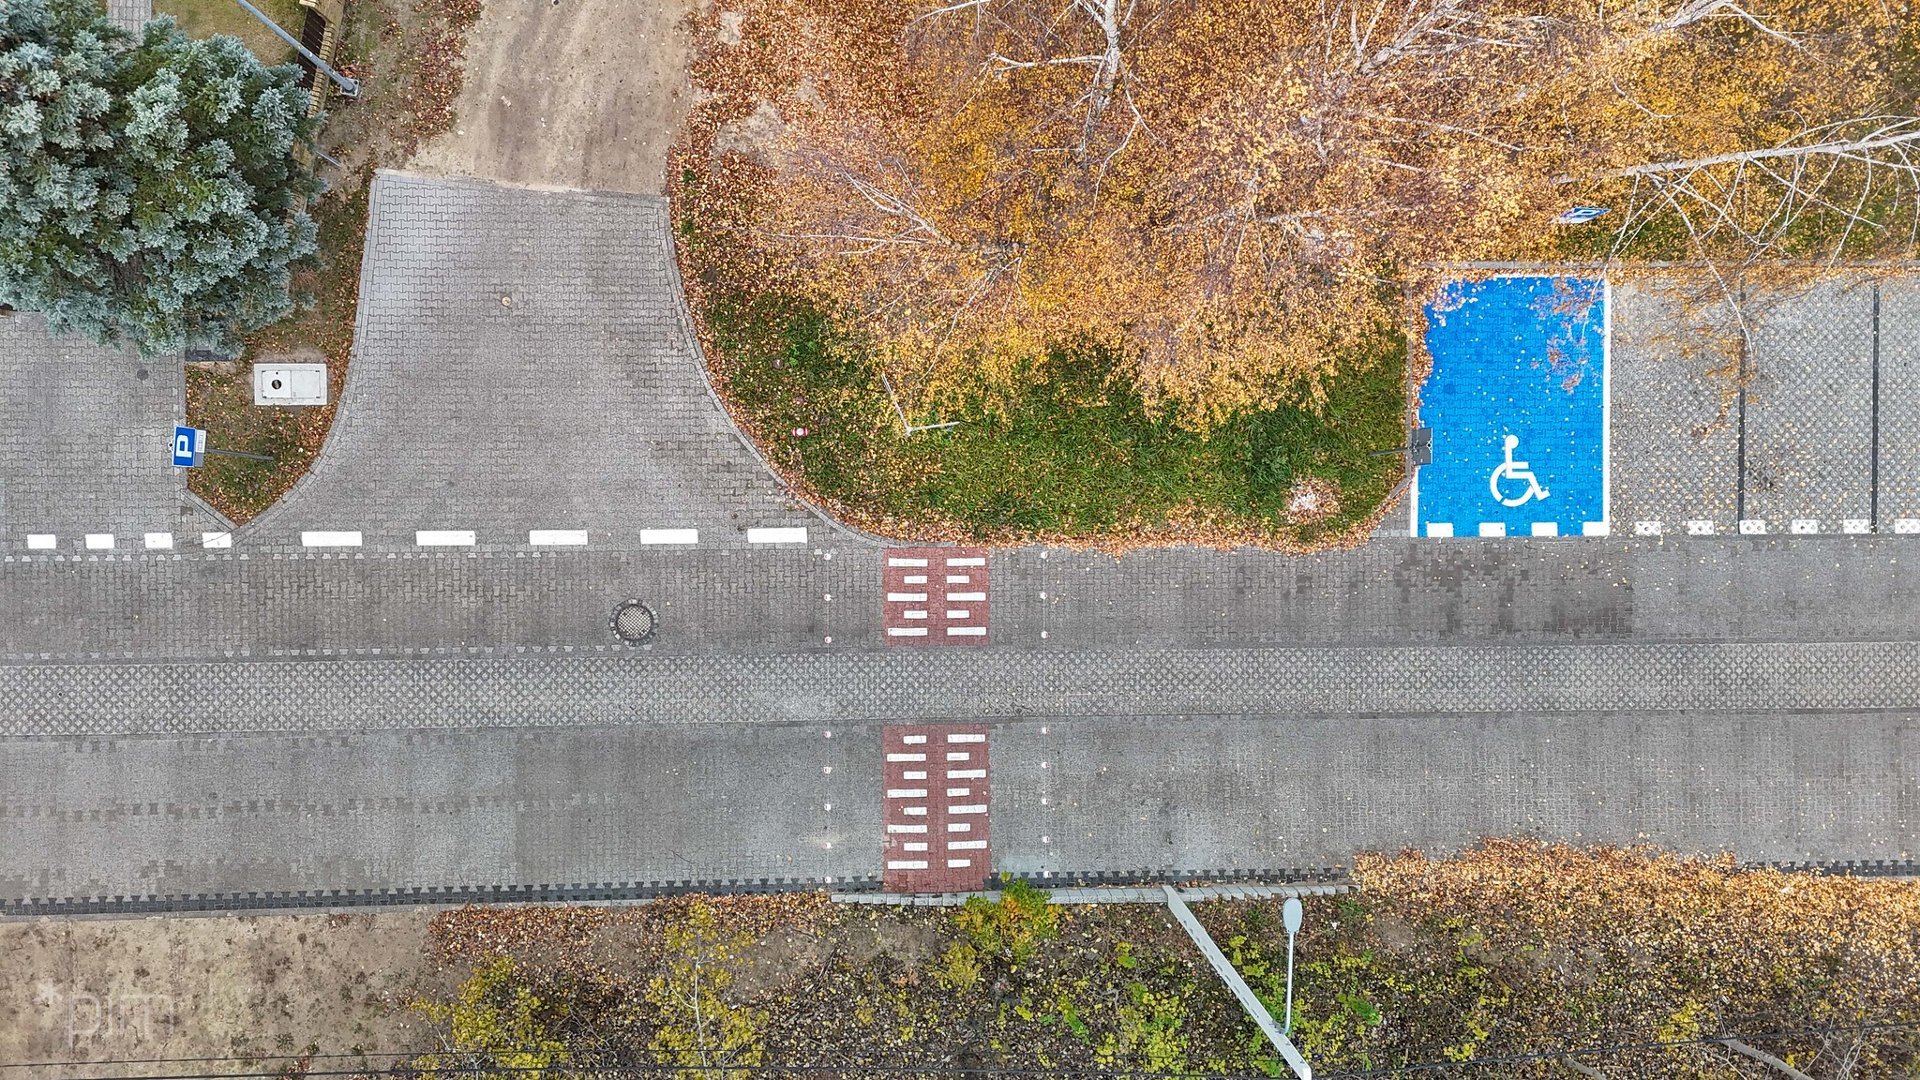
x=263 y=988
x=569 y=93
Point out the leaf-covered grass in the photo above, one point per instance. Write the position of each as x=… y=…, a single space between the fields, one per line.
x=220 y=397
x=1075 y=454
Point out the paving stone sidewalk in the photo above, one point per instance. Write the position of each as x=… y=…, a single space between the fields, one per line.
x=522 y=362
x=84 y=436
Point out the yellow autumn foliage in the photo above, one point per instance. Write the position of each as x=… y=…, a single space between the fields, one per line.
x=1235 y=195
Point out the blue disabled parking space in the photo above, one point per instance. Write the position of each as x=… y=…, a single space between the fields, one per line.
x=1517 y=403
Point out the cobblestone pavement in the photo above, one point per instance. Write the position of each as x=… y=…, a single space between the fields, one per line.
x=522 y=364
x=138 y=817
x=84 y=436
x=1821 y=435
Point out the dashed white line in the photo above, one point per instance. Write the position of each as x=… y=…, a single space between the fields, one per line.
x=1856 y=526
x=966 y=774
x=966 y=845
x=966 y=631
x=216 y=540
x=99 y=541
x=906 y=562
x=959 y=755
x=1493 y=528
x=159 y=541
x=1752 y=527
x=42 y=541
x=913 y=774
x=968 y=808
x=970 y=560
x=906 y=757
x=915 y=740
x=914 y=579
x=557 y=538
x=959 y=613
x=1440 y=529
x=444 y=538
x=906 y=864
x=1906 y=525
x=906 y=828
x=959 y=826
x=777 y=536
x=669 y=536
x=329 y=539
x=906 y=598
x=1546 y=528
x=955 y=864
x=917 y=613
x=959 y=597
x=906 y=793
x=957 y=579
x=1595 y=528
x=966 y=737
x=906 y=631
x=914 y=811
x=918 y=845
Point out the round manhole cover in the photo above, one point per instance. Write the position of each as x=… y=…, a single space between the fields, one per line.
x=633 y=622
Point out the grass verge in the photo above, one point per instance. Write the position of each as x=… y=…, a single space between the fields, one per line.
x=205 y=18
x=1076 y=456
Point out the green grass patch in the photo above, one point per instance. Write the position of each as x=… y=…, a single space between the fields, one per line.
x=1077 y=453
x=205 y=18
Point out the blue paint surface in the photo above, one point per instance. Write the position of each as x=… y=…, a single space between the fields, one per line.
x=1516 y=358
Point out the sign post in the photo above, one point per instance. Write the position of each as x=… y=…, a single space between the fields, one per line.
x=190 y=448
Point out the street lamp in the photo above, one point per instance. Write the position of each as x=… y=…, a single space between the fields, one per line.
x=1290 y=916
x=348 y=87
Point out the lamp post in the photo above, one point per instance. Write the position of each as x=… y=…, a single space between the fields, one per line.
x=1291 y=914
x=348 y=87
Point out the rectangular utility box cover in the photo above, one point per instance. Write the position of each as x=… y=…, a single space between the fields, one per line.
x=290 y=384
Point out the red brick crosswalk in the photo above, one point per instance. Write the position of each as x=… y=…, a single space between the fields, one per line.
x=936 y=808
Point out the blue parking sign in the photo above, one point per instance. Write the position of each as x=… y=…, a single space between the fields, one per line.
x=189 y=443
x=1518 y=406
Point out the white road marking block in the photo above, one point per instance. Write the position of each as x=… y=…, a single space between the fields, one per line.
x=1906 y=525
x=966 y=845
x=216 y=540
x=969 y=808
x=959 y=792
x=777 y=536
x=906 y=631
x=42 y=541
x=1595 y=528
x=557 y=538
x=159 y=541
x=958 y=597
x=955 y=864
x=966 y=774
x=966 y=737
x=959 y=826
x=1440 y=529
x=1804 y=527
x=1546 y=528
x=959 y=755
x=1752 y=527
x=914 y=740
x=914 y=579
x=906 y=828
x=914 y=811
x=444 y=538
x=906 y=793
x=329 y=539
x=1856 y=526
x=905 y=864
x=913 y=774
x=968 y=560
x=966 y=631
x=681 y=537
x=1646 y=528
x=920 y=845
x=99 y=541
x=958 y=579
x=906 y=757
x=959 y=613
x=906 y=598
x=1493 y=528
x=917 y=613
x=906 y=562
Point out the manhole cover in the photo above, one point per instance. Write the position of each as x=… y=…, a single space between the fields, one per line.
x=633 y=622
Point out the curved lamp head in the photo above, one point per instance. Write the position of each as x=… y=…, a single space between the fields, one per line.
x=1291 y=914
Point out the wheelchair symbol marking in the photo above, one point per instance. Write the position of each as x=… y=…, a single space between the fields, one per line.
x=1518 y=472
